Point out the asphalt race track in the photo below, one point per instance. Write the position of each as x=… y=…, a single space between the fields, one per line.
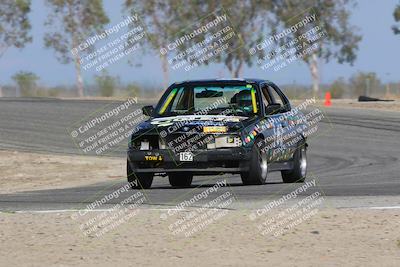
x=354 y=155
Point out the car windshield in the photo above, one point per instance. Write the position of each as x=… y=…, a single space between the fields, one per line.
x=230 y=100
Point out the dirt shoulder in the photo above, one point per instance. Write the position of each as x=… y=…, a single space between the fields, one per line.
x=20 y=171
x=332 y=237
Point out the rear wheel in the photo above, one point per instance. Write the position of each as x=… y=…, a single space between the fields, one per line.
x=180 y=179
x=138 y=180
x=299 y=171
x=258 y=168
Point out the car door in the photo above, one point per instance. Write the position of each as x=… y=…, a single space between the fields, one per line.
x=285 y=133
x=273 y=135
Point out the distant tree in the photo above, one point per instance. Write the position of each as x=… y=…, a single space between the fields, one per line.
x=14 y=25
x=162 y=24
x=338 y=88
x=55 y=91
x=396 y=15
x=169 y=20
x=133 y=90
x=340 y=41
x=106 y=84
x=364 y=83
x=248 y=21
x=79 y=20
x=26 y=83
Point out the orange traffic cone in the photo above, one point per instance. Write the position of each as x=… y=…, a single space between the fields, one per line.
x=327 y=99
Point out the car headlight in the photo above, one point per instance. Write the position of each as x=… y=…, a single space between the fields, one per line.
x=144 y=145
x=161 y=143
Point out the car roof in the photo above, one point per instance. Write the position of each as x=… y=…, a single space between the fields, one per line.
x=223 y=80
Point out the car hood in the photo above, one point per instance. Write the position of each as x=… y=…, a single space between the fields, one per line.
x=186 y=123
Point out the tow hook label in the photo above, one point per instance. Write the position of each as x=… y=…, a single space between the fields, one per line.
x=153 y=158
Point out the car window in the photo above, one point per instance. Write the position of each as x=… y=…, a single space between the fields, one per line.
x=231 y=100
x=218 y=99
x=178 y=103
x=265 y=95
x=275 y=97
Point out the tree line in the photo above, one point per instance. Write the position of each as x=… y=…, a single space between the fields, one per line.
x=106 y=85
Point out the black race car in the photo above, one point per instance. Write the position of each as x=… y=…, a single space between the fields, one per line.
x=206 y=127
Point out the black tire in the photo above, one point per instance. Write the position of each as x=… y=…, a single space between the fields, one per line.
x=299 y=172
x=138 y=180
x=180 y=179
x=258 y=167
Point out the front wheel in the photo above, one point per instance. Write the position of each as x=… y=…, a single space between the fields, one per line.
x=180 y=179
x=299 y=171
x=258 y=168
x=138 y=180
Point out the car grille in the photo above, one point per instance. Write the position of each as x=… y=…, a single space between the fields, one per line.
x=179 y=142
x=152 y=139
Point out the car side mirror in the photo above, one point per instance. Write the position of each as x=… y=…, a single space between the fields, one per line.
x=272 y=109
x=148 y=110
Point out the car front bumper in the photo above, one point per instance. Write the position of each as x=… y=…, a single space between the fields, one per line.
x=222 y=160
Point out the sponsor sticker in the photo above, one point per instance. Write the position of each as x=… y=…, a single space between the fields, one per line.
x=215 y=129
